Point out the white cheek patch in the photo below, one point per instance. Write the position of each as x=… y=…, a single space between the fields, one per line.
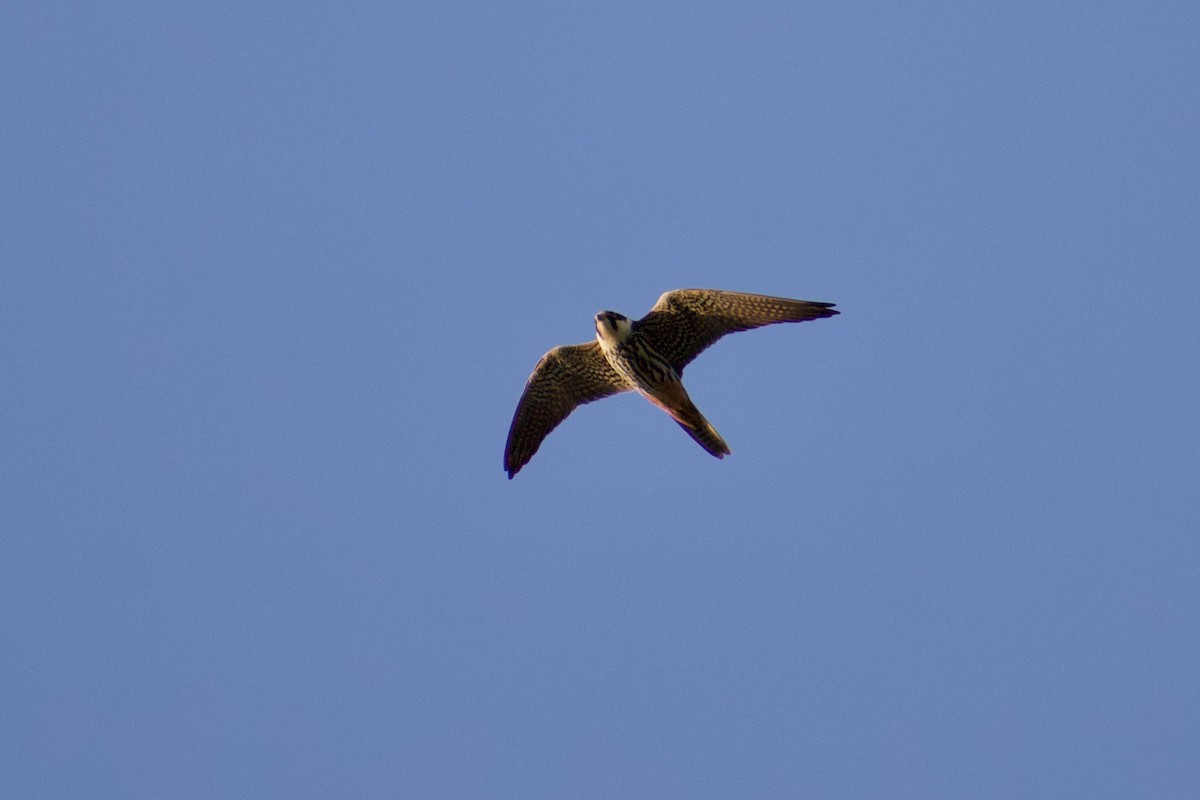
x=611 y=332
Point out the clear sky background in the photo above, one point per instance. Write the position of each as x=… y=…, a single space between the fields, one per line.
x=274 y=276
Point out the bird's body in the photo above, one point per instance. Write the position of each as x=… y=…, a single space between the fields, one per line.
x=647 y=371
x=647 y=355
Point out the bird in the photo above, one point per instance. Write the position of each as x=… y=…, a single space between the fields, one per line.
x=647 y=355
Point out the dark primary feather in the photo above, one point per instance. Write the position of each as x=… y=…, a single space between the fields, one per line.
x=685 y=322
x=566 y=377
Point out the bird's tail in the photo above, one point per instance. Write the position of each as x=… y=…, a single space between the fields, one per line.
x=702 y=431
x=672 y=398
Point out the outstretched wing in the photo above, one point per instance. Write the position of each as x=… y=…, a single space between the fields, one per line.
x=566 y=377
x=684 y=322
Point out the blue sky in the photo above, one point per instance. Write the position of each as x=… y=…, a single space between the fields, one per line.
x=275 y=274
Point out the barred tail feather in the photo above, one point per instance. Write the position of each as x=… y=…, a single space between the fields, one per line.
x=672 y=398
x=707 y=437
x=700 y=429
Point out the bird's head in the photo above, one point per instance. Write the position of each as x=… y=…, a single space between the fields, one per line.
x=612 y=327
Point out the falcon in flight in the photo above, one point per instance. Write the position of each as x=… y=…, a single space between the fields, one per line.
x=648 y=355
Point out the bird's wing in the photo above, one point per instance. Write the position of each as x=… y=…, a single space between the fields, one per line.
x=684 y=322
x=566 y=377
